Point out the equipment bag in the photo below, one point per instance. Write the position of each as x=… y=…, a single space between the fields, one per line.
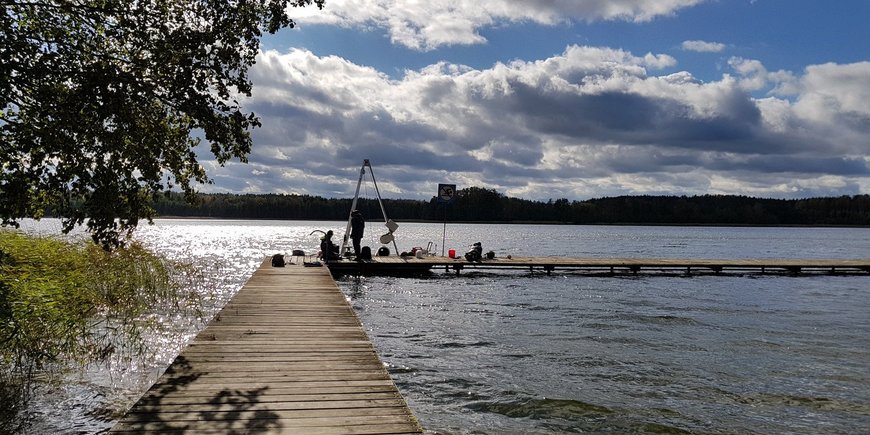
x=278 y=260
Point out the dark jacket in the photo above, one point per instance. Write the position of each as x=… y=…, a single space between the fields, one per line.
x=357 y=225
x=327 y=248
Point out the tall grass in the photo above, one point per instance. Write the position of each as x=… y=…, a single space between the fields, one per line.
x=63 y=302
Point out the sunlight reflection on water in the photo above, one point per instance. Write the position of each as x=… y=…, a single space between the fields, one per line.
x=513 y=353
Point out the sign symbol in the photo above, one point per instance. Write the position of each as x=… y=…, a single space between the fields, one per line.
x=446 y=192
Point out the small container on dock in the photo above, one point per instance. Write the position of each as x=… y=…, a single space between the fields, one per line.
x=451 y=253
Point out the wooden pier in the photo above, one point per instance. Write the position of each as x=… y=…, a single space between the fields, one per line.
x=602 y=266
x=286 y=355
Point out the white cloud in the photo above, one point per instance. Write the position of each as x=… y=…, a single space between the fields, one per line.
x=430 y=24
x=834 y=102
x=754 y=76
x=587 y=122
x=703 y=46
x=660 y=61
x=832 y=90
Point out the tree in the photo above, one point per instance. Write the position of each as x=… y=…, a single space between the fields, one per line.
x=99 y=100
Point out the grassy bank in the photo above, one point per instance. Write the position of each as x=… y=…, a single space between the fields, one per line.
x=64 y=303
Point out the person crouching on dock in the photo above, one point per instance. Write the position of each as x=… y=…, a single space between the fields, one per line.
x=327 y=248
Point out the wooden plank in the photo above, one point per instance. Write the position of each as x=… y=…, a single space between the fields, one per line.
x=287 y=419
x=219 y=371
x=285 y=390
x=262 y=380
x=286 y=355
x=319 y=408
x=344 y=425
x=301 y=397
x=268 y=427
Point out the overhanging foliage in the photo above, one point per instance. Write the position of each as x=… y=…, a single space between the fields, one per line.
x=98 y=99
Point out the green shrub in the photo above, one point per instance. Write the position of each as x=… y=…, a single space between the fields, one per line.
x=64 y=302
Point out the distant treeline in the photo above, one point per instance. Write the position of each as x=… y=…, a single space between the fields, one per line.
x=477 y=204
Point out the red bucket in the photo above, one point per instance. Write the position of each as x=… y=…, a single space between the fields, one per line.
x=451 y=253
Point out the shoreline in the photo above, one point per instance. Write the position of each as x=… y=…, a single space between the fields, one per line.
x=621 y=224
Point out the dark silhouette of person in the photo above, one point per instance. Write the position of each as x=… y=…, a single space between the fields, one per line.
x=475 y=253
x=327 y=248
x=357 y=227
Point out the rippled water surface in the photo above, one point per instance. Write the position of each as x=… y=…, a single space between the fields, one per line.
x=520 y=353
x=708 y=354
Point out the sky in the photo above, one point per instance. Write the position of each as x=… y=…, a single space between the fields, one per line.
x=548 y=99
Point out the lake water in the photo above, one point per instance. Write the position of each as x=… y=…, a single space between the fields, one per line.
x=511 y=352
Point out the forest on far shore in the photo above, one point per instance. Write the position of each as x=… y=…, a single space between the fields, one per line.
x=476 y=204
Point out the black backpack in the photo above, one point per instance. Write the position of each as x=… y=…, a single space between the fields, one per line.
x=365 y=253
x=278 y=260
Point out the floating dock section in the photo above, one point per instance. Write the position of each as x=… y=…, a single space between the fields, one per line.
x=286 y=355
x=601 y=266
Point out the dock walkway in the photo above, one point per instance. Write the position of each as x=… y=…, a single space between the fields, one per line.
x=604 y=266
x=286 y=355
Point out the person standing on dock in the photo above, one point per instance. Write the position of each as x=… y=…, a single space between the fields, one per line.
x=357 y=227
